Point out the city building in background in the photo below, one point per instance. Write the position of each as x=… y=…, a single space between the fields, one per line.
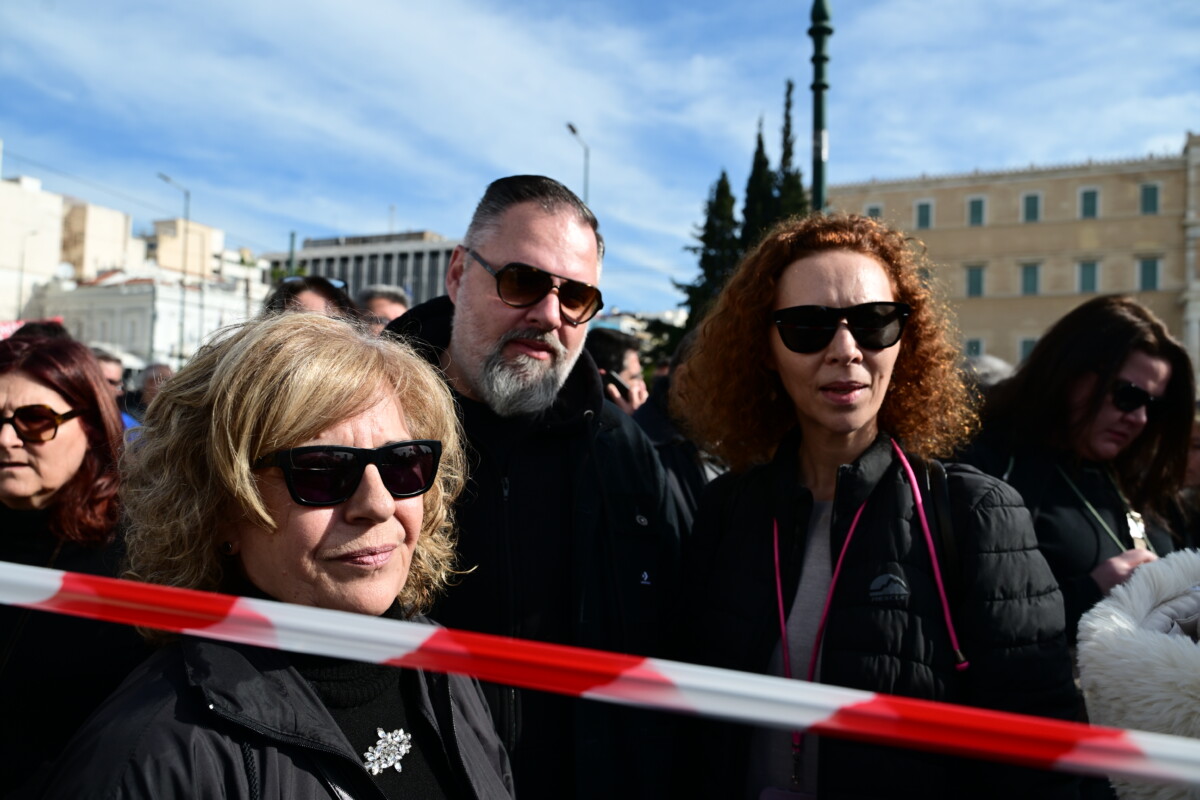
x=1012 y=251
x=135 y=314
x=144 y=298
x=96 y=239
x=1016 y=250
x=415 y=261
x=166 y=246
x=31 y=236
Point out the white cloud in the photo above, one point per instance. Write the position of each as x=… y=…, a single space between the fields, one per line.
x=317 y=116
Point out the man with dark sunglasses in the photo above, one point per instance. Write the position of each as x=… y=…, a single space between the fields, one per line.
x=565 y=520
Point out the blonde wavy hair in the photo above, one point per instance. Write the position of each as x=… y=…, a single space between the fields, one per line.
x=732 y=402
x=262 y=386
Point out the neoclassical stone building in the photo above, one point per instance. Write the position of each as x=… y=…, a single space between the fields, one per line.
x=1016 y=250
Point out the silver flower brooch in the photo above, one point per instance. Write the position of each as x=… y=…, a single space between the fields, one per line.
x=388 y=751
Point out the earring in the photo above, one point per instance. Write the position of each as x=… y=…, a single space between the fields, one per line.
x=227 y=548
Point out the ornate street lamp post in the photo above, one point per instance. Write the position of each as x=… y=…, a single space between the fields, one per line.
x=820 y=31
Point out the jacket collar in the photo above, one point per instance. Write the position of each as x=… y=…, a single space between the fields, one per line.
x=855 y=481
x=258 y=689
x=427 y=327
x=261 y=690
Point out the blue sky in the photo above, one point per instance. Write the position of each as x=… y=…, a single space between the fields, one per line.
x=318 y=117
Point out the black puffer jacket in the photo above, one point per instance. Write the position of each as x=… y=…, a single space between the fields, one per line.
x=568 y=525
x=1009 y=616
x=208 y=719
x=1071 y=537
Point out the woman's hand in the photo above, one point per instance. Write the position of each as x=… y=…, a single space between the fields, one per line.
x=1118 y=568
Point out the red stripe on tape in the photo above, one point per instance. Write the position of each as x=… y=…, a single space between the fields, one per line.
x=532 y=665
x=139 y=603
x=966 y=731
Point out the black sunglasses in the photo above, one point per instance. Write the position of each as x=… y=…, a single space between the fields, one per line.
x=37 y=424
x=1127 y=397
x=326 y=475
x=810 y=329
x=520 y=286
x=336 y=283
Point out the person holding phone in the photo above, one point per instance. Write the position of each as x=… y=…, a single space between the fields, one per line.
x=617 y=357
x=836 y=549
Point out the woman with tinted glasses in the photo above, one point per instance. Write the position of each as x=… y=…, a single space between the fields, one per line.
x=301 y=459
x=59 y=436
x=1093 y=431
x=835 y=550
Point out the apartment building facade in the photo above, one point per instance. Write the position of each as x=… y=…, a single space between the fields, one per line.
x=415 y=261
x=1013 y=251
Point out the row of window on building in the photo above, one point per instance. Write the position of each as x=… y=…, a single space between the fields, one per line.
x=1087 y=277
x=1031 y=208
x=421 y=274
x=975 y=347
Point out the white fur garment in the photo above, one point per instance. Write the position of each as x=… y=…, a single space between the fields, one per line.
x=1139 y=659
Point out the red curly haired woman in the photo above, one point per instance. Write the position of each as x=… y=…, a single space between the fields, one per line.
x=836 y=550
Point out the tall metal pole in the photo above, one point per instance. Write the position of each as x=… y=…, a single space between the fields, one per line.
x=820 y=31
x=187 y=213
x=586 y=155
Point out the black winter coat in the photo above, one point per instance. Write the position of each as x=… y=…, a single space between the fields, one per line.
x=55 y=669
x=204 y=719
x=568 y=524
x=1070 y=537
x=1009 y=617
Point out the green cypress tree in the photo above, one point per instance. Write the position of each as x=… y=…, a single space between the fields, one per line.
x=791 y=197
x=719 y=249
x=759 y=208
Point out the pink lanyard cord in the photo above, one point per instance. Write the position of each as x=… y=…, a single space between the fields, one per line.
x=960 y=661
x=797 y=739
x=787 y=656
x=837 y=570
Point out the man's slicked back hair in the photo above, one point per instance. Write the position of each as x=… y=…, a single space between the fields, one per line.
x=549 y=195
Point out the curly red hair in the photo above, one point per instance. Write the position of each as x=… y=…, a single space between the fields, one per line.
x=733 y=403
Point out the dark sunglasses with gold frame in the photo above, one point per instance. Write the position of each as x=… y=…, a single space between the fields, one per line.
x=521 y=286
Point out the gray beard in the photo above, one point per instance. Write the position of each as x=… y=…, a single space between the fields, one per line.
x=524 y=385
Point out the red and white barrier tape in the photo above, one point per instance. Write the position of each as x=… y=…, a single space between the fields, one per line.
x=597 y=675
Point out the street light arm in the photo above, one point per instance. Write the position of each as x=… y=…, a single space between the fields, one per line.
x=187 y=214
x=586 y=157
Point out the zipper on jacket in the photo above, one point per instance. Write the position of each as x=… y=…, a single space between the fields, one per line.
x=462 y=762
x=509 y=693
x=304 y=744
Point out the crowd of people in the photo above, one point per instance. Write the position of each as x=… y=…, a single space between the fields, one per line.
x=816 y=490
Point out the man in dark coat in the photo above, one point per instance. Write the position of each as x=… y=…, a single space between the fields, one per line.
x=565 y=526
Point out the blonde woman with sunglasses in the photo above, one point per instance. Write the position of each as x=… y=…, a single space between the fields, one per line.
x=301 y=459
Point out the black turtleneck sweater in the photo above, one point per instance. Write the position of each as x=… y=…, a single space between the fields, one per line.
x=364 y=698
